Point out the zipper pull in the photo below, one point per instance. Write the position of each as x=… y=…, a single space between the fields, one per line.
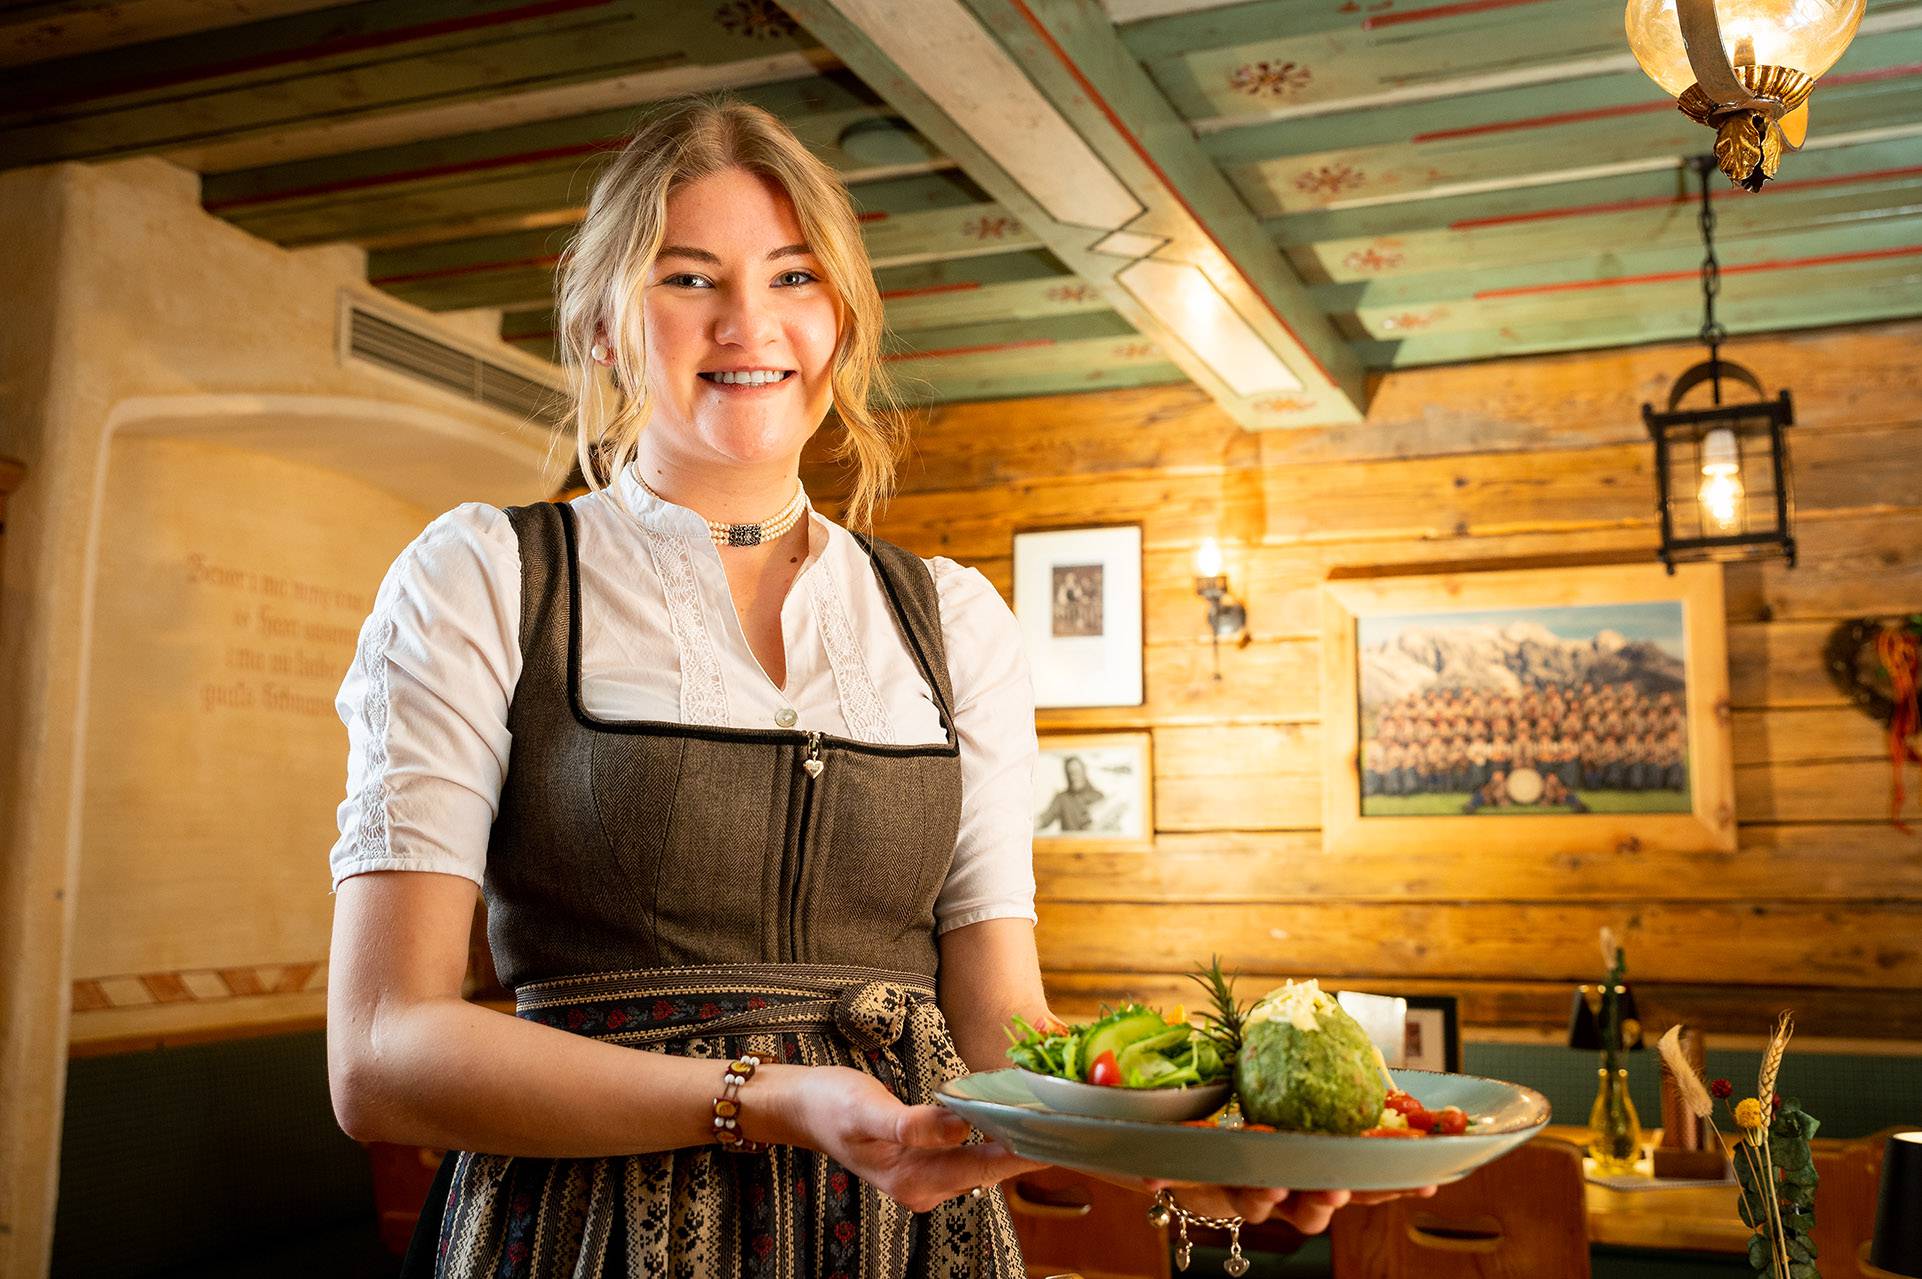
x=811 y=763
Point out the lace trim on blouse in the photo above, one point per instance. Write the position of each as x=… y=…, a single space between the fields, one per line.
x=371 y=838
x=703 y=692
x=861 y=705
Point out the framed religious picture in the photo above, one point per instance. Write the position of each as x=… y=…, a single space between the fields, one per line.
x=1095 y=791
x=1560 y=710
x=1077 y=595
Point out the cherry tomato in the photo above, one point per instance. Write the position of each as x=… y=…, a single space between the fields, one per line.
x=1104 y=1070
x=1413 y=1111
x=1450 y=1121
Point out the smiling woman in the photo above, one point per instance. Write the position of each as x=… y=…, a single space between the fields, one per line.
x=668 y=728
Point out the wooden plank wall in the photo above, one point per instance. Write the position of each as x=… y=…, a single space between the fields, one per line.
x=1516 y=463
x=11 y=473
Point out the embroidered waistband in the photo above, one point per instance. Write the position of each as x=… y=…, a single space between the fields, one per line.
x=867 y=1006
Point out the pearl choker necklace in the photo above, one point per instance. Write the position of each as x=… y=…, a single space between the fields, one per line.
x=725 y=534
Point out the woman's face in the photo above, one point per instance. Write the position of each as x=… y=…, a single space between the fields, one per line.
x=735 y=289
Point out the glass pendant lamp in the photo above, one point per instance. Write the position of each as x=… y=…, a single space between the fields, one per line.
x=1743 y=67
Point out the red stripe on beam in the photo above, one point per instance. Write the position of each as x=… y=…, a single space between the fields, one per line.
x=414 y=175
x=945 y=352
x=324 y=49
x=925 y=291
x=474 y=268
x=1669 y=277
x=1439 y=11
x=1621 y=206
x=1631 y=108
x=1545 y=121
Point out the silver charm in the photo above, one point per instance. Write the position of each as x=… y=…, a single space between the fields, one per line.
x=1159 y=1214
x=1236 y=1265
x=1183 y=1250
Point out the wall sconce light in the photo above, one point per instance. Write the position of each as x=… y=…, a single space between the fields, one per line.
x=1745 y=72
x=1227 y=617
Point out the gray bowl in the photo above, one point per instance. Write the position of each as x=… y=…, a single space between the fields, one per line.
x=1502 y=1115
x=1154 y=1105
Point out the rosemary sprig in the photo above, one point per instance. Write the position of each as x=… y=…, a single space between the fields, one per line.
x=1222 y=1022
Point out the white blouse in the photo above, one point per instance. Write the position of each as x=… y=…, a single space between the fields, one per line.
x=425 y=702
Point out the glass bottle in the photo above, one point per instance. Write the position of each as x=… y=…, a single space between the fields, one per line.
x=1614 y=1131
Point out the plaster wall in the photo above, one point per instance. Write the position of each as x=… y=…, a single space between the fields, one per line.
x=159 y=365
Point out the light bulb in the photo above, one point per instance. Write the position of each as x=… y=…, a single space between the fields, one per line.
x=1721 y=493
x=1803 y=35
x=1208 y=559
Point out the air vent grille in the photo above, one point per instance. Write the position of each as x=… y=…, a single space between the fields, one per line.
x=380 y=340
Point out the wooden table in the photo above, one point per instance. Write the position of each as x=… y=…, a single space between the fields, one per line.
x=1684 y=1218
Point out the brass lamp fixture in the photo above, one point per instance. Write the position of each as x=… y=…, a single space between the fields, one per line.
x=1745 y=68
x=1227 y=616
x=1722 y=470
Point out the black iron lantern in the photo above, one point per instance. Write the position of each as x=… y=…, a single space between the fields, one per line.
x=1721 y=470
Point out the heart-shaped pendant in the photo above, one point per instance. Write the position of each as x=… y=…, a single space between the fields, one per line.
x=1236 y=1265
x=813 y=767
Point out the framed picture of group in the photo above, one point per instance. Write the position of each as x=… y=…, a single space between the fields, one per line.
x=1574 y=710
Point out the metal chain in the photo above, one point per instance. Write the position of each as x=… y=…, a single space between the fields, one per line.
x=1712 y=332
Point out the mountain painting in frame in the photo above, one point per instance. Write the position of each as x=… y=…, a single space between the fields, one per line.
x=1560 y=710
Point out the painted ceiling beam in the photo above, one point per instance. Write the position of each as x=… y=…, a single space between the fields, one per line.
x=1040 y=102
x=1614 y=258
x=1879 y=99
x=68 y=28
x=383 y=72
x=530 y=175
x=516 y=270
x=1537 y=224
x=1751 y=304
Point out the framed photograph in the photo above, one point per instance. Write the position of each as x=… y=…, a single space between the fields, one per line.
x=1077 y=595
x=1431 y=1037
x=1095 y=791
x=1560 y=710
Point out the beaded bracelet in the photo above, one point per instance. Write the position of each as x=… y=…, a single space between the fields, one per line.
x=727 y=1109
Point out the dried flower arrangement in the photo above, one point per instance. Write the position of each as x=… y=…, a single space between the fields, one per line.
x=1774 y=1164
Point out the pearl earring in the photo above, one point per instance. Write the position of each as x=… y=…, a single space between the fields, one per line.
x=600 y=353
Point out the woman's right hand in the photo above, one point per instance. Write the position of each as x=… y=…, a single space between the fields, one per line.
x=913 y=1154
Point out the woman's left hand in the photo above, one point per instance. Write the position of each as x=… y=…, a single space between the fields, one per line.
x=1308 y=1211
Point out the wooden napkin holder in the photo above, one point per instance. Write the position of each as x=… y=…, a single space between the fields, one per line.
x=1689 y=1149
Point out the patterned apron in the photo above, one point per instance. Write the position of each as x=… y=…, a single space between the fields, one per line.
x=707 y=892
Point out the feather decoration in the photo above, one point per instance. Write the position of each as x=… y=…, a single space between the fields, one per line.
x=1609 y=948
x=1694 y=1092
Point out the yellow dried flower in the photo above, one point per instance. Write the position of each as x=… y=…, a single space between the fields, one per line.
x=1748 y=1113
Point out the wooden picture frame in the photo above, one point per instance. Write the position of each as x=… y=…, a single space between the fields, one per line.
x=1078 y=596
x=1401 y=627
x=1433 y=1034
x=1115 y=809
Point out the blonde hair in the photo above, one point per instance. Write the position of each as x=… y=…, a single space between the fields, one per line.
x=604 y=271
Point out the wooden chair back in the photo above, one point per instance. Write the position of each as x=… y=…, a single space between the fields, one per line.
x=1522 y=1217
x=1845 y=1198
x=1068 y=1221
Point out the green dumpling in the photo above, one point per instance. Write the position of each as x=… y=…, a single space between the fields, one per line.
x=1307 y=1066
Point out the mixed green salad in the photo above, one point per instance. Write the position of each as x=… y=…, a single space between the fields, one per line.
x=1131 y=1047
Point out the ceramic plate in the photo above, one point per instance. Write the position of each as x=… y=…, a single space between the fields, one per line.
x=1504 y=1115
x=1163 y=1104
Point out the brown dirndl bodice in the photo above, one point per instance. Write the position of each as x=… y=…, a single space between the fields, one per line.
x=710 y=891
